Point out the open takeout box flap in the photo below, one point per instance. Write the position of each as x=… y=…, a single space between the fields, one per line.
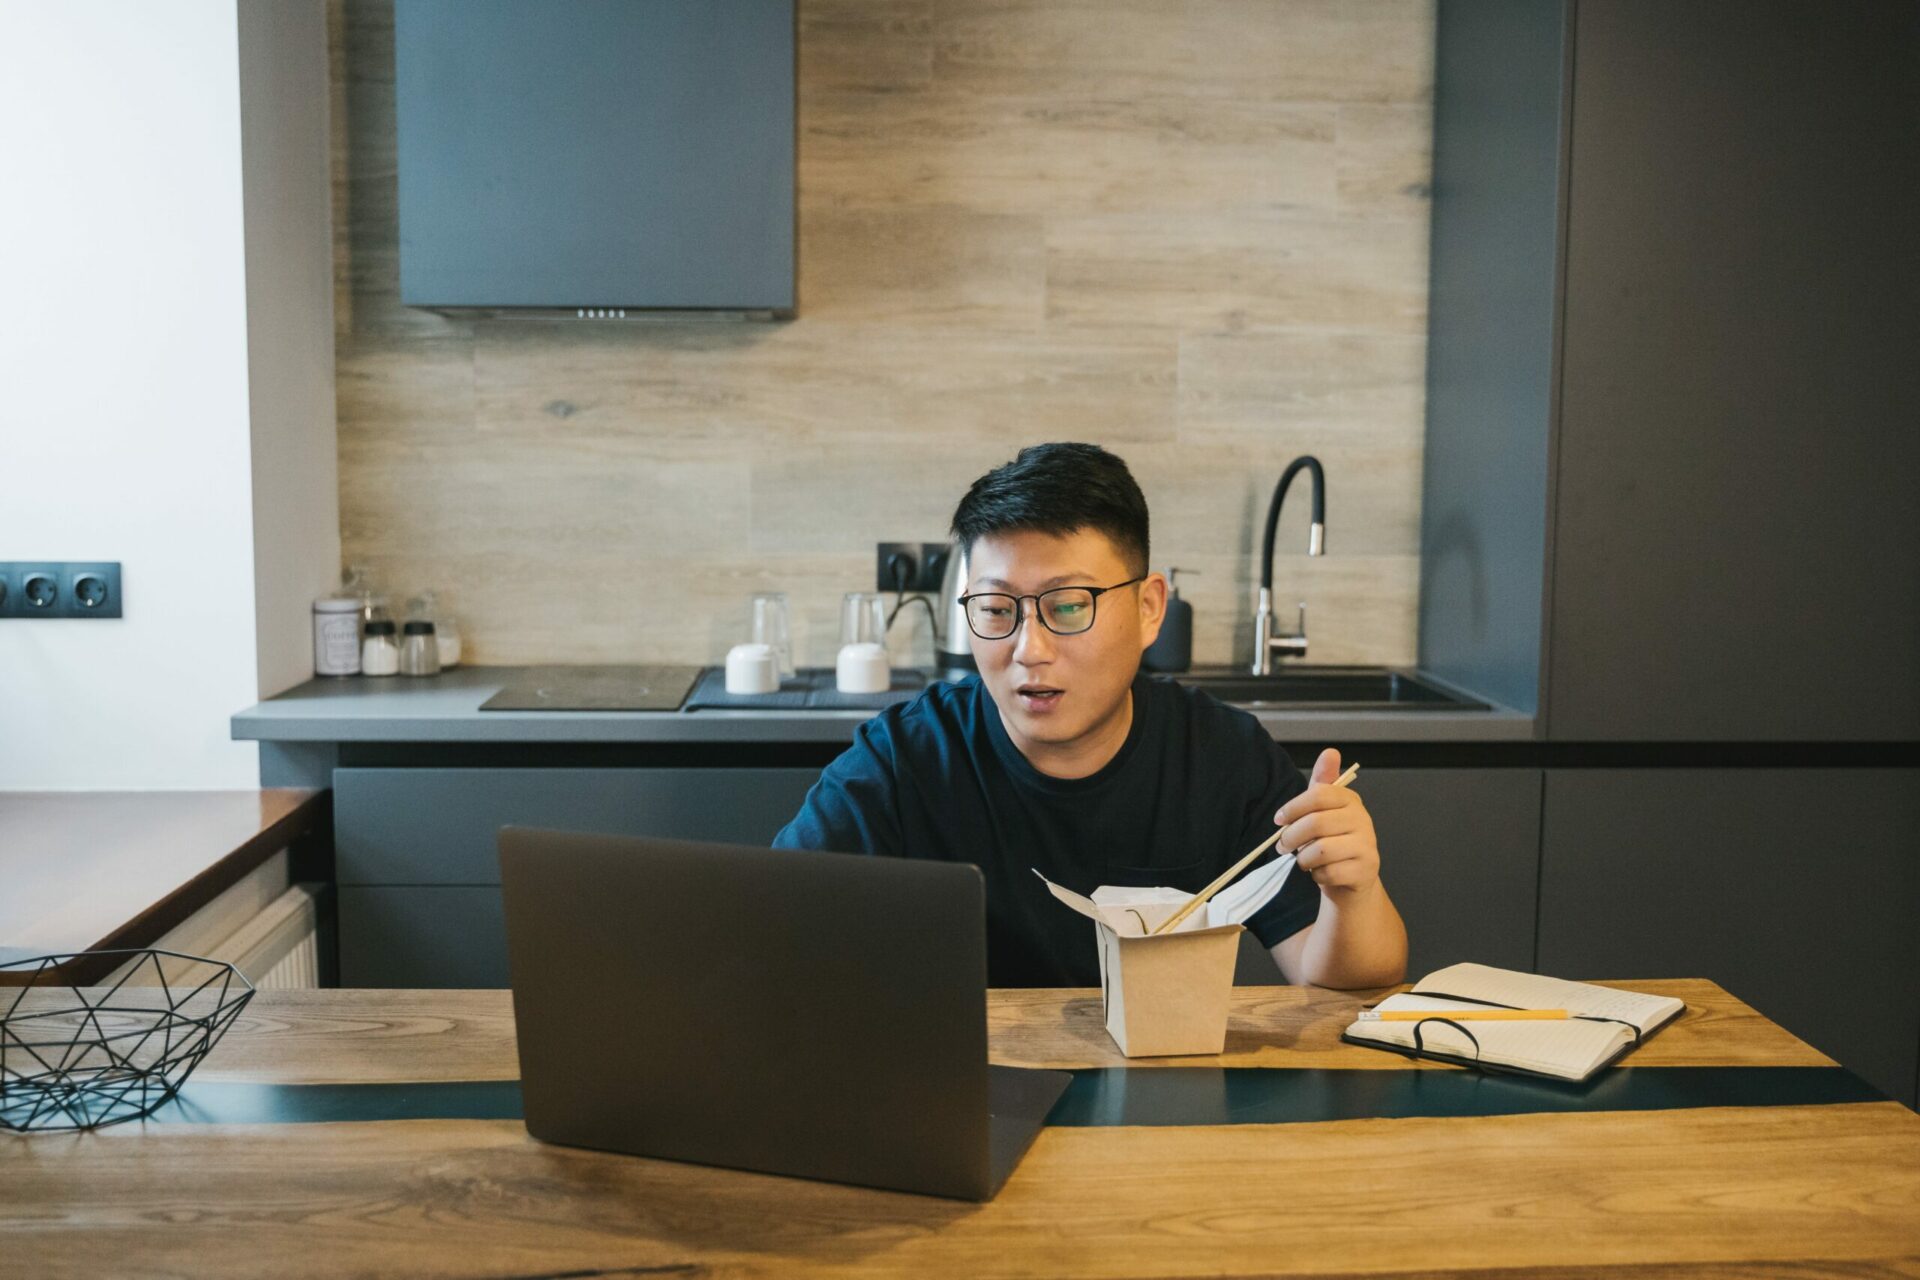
x=1134 y=912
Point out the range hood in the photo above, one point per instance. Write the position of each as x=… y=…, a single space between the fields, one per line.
x=600 y=159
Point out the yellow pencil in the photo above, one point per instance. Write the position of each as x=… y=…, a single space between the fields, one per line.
x=1463 y=1015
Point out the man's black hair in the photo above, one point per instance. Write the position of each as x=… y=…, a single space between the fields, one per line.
x=1058 y=489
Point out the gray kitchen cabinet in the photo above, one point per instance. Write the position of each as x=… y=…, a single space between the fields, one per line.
x=1737 y=548
x=1671 y=388
x=439 y=826
x=1492 y=303
x=414 y=936
x=417 y=859
x=1795 y=889
x=1459 y=854
x=1459 y=851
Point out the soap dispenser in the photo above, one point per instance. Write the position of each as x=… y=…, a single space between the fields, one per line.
x=1172 y=650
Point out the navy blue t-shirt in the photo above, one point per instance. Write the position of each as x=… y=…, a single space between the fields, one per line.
x=1193 y=788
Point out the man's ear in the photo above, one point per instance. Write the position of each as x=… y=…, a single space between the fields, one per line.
x=1153 y=608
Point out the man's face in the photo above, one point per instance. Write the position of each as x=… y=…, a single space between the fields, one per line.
x=1054 y=690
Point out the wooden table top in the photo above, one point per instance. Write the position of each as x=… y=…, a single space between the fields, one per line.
x=1804 y=1190
x=89 y=870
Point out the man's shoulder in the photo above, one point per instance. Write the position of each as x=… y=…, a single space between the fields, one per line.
x=1202 y=718
x=930 y=721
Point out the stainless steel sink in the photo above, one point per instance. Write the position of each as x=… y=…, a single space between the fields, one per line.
x=1329 y=689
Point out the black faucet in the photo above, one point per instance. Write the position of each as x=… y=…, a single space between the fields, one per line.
x=1265 y=642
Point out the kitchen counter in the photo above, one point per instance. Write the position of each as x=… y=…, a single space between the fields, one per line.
x=446 y=708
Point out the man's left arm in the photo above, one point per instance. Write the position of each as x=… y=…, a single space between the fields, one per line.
x=1358 y=938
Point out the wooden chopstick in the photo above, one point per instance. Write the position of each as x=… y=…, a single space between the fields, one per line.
x=1198 y=900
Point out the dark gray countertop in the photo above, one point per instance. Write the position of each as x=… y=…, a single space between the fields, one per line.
x=446 y=708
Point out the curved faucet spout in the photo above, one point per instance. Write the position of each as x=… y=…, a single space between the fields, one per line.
x=1316 y=535
x=1265 y=642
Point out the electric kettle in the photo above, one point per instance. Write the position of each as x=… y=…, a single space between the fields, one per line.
x=953 y=656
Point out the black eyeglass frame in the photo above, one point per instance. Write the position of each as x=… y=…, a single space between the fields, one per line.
x=1040 y=614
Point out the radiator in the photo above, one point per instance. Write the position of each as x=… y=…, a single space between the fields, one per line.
x=298 y=969
x=279 y=948
x=262 y=926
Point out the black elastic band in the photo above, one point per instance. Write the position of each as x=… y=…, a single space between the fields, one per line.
x=1420 y=1045
x=1495 y=1004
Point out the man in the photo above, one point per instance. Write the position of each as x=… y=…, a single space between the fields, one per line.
x=1063 y=757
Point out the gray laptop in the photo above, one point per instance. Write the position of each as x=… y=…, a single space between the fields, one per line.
x=822 y=1015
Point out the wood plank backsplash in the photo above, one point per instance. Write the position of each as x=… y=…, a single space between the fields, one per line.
x=1194 y=233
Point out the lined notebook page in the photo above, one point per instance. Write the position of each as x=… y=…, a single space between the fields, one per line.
x=1532 y=991
x=1569 y=1049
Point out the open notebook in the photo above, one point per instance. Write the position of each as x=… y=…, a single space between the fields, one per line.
x=1608 y=1023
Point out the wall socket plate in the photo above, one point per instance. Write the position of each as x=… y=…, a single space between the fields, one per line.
x=929 y=565
x=59 y=589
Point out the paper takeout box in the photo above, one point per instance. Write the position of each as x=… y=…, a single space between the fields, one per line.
x=1165 y=994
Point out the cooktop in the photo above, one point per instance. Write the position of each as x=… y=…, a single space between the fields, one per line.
x=590 y=688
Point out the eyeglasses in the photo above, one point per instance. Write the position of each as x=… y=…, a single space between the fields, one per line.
x=1065 y=611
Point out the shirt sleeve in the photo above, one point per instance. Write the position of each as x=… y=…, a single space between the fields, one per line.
x=852 y=808
x=1297 y=904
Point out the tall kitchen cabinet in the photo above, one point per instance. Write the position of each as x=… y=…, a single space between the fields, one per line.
x=1673 y=437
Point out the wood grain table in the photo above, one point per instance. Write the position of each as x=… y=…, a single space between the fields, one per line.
x=1772 y=1188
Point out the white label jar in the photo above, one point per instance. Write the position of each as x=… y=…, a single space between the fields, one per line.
x=336 y=637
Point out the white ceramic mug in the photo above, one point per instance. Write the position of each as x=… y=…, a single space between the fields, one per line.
x=752 y=668
x=862 y=668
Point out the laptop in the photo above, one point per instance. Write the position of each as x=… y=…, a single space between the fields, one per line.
x=821 y=1015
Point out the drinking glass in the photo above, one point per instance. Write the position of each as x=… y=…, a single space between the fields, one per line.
x=863 y=618
x=770 y=627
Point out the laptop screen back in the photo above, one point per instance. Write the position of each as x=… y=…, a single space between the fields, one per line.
x=815 y=1014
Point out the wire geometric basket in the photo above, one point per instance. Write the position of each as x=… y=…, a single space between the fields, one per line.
x=82 y=1057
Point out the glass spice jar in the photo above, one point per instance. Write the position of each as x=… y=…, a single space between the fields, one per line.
x=419 y=651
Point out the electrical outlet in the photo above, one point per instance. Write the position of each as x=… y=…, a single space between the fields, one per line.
x=925 y=564
x=39 y=590
x=933 y=564
x=50 y=589
x=91 y=590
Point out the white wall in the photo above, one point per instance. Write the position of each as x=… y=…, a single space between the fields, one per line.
x=125 y=429
x=289 y=265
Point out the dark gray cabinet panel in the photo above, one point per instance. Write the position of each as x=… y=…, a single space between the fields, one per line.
x=1671 y=390
x=1254 y=966
x=422 y=937
x=439 y=826
x=1459 y=850
x=1797 y=890
x=1736 y=540
x=1459 y=854
x=1490 y=344
x=417 y=858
